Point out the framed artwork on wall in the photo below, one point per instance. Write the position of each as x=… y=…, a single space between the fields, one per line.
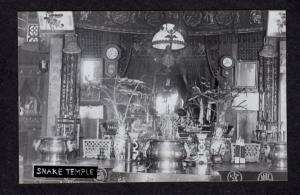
x=276 y=23
x=246 y=101
x=56 y=22
x=91 y=73
x=246 y=74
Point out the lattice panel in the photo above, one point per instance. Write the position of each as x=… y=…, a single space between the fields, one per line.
x=252 y=152
x=249 y=45
x=90 y=42
x=91 y=147
x=33 y=33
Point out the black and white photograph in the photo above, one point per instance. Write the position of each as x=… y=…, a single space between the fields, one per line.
x=152 y=96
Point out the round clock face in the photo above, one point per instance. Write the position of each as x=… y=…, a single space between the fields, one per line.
x=112 y=53
x=227 y=62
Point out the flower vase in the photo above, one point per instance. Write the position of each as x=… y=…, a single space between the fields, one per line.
x=120 y=142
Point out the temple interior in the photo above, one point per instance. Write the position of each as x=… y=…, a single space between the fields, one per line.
x=153 y=96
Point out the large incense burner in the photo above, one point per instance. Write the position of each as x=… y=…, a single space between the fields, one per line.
x=54 y=149
x=166 y=155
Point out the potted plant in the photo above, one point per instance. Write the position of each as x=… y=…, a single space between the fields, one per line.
x=124 y=97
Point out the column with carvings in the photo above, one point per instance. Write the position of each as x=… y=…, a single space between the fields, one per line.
x=268 y=86
x=68 y=122
x=282 y=113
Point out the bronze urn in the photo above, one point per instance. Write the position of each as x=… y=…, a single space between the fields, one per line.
x=278 y=155
x=166 y=156
x=54 y=149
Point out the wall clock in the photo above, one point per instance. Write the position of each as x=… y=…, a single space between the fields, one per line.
x=227 y=62
x=112 y=52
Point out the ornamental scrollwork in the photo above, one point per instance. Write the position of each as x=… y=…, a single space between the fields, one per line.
x=234 y=176
x=192 y=18
x=255 y=17
x=265 y=176
x=224 y=17
x=153 y=18
x=120 y=17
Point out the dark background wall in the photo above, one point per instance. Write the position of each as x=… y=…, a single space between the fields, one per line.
x=140 y=61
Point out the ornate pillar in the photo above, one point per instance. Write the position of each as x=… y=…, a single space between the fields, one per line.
x=69 y=82
x=282 y=93
x=68 y=122
x=56 y=45
x=268 y=86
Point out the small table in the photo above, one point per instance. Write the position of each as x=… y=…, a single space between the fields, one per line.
x=121 y=171
x=127 y=172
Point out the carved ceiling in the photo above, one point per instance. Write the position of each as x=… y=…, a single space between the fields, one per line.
x=193 y=22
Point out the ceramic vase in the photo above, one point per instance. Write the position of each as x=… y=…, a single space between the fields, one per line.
x=120 y=142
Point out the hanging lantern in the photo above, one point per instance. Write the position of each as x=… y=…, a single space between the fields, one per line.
x=168 y=38
x=168 y=35
x=268 y=51
x=71 y=46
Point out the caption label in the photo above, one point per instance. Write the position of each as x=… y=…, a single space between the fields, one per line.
x=65 y=171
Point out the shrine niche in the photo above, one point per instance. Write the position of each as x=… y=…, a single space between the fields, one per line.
x=31 y=88
x=30 y=91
